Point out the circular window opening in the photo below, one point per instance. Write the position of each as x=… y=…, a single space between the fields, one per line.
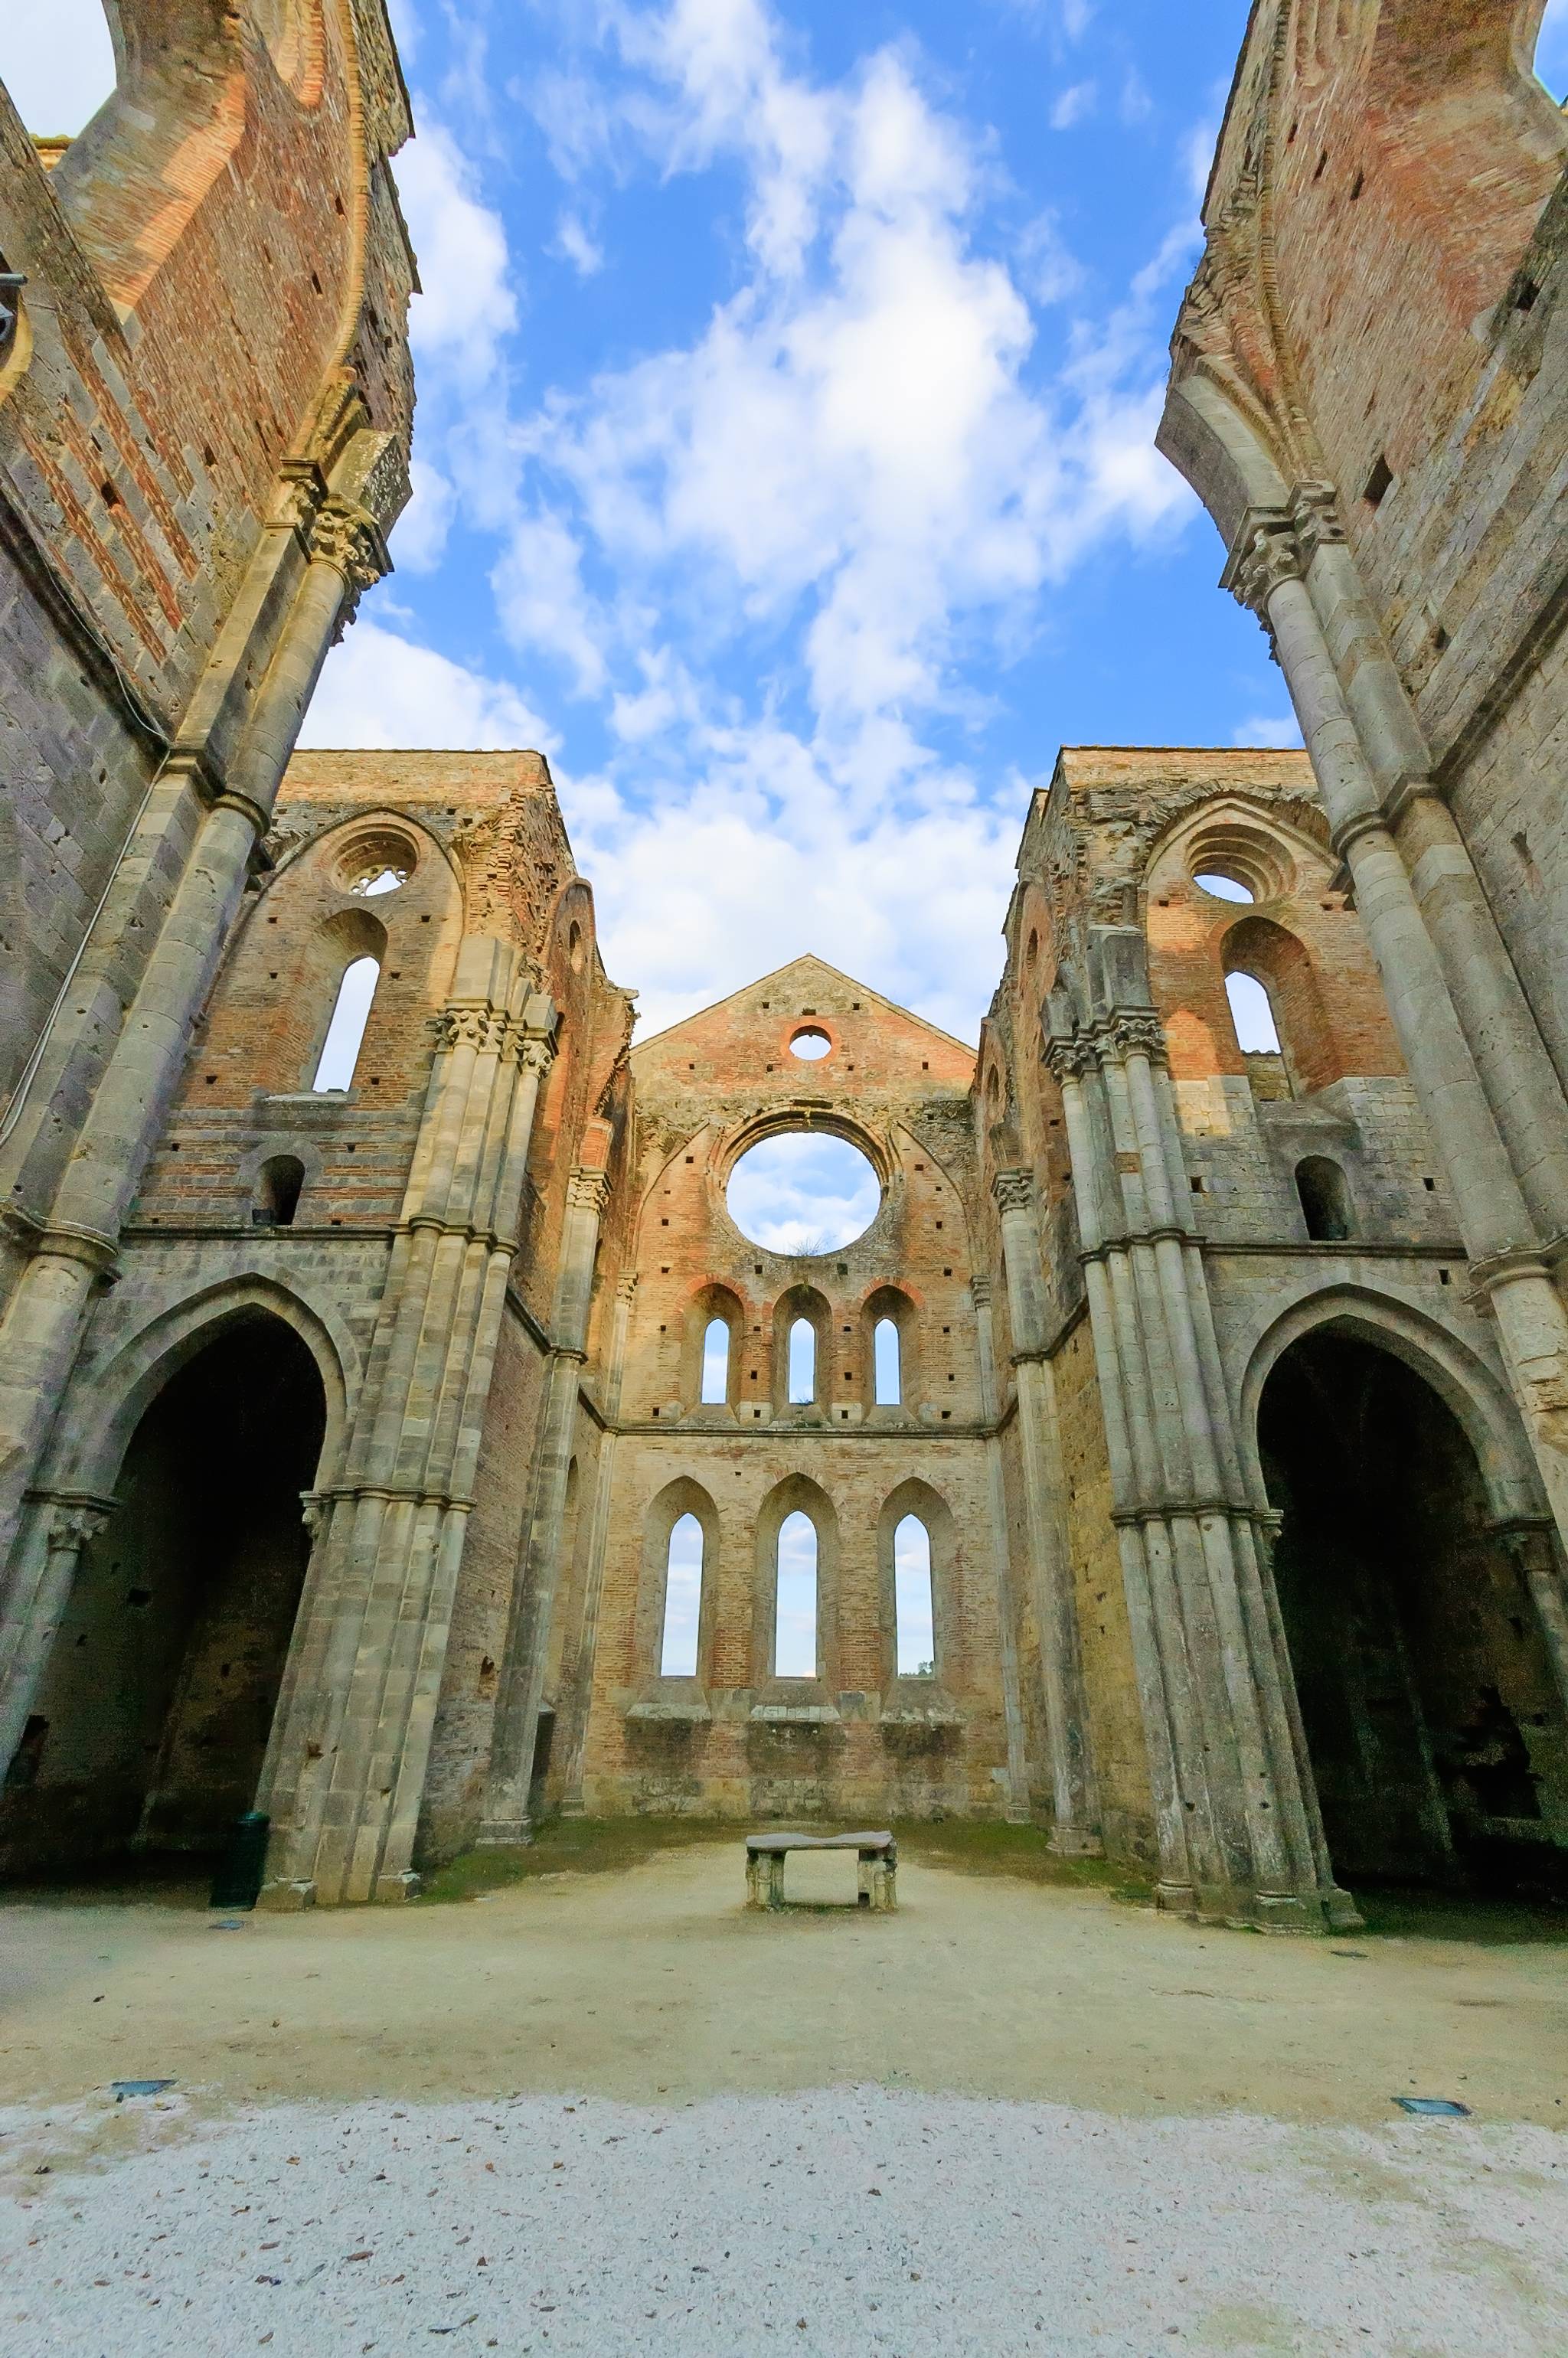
x=1220 y=887
x=802 y=1193
x=376 y=864
x=811 y=1043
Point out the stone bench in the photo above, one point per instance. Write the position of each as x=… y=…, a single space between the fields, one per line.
x=765 y=1855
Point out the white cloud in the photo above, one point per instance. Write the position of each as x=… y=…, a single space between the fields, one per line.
x=1269 y=729
x=57 y=62
x=542 y=602
x=849 y=443
x=764 y=554
x=420 y=536
x=802 y=1193
x=581 y=251
x=1049 y=270
x=405 y=27
x=1075 y=104
x=467 y=303
x=745 y=854
x=380 y=689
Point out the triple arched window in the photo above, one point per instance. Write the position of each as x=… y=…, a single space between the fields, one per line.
x=797 y=1573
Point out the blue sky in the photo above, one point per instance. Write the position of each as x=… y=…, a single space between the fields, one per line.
x=788 y=374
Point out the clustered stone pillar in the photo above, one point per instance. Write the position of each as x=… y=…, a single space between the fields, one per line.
x=345 y=1768
x=1007 y=1607
x=580 y=1686
x=1496 y=1110
x=528 y=1636
x=209 y=814
x=1077 y=1816
x=60 y=1525
x=1239 y=1832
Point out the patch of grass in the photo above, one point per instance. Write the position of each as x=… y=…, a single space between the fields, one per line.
x=985 y=1847
x=572 y=1847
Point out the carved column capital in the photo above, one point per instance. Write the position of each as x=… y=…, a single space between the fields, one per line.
x=1014 y=1190
x=1069 y=1059
x=73 y=1524
x=626 y=1288
x=348 y=537
x=471 y=1026
x=981 y=1293
x=587 y=1189
x=1138 y=1034
x=1267 y=553
x=534 y=1052
x=1315 y=512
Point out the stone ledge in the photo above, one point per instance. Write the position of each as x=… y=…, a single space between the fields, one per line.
x=677 y=1714
x=794 y=1714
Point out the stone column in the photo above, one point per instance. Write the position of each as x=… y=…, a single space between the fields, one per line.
x=345 y=1770
x=1235 y=1815
x=1512 y=1061
x=79 y=1242
x=599 y=1532
x=1076 y=1831
x=1007 y=1603
x=1499 y=1234
x=1533 y=1544
x=56 y=1525
x=528 y=1637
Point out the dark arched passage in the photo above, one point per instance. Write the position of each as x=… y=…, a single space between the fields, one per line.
x=152 y=1716
x=1434 y=1722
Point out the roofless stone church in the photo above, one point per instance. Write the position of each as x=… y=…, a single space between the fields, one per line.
x=399 y=1433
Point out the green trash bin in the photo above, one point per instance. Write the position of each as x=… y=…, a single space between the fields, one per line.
x=238 y=1880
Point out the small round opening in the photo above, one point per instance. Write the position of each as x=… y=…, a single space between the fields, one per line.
x=1221 y=887
x=811 y=1043
x=802 y=1193
x=377 y=880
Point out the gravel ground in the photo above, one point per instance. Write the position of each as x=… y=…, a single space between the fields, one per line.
x=825 y=2223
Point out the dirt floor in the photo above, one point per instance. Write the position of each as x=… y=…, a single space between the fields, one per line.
x=581 y=2099
x=599 y=1963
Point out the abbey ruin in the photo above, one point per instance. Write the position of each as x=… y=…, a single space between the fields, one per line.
x=376 y=1341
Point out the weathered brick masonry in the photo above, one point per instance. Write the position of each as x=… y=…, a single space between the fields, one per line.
x=1368 y=391
x=1232 y=1394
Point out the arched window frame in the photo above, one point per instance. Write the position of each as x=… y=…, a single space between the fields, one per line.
x=682 y=1669
x=645 y=1671
x=714 y=1301
x=1323 y=1191
x=1280 y=961
x=796 y=1494
x=343 y=1014
x=892 y=1303
x=803 y=1301
x=918 y=1499
x=274 y=1196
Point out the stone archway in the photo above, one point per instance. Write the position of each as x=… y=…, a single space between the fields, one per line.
x=1435 y=1727
x=149 y=1724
